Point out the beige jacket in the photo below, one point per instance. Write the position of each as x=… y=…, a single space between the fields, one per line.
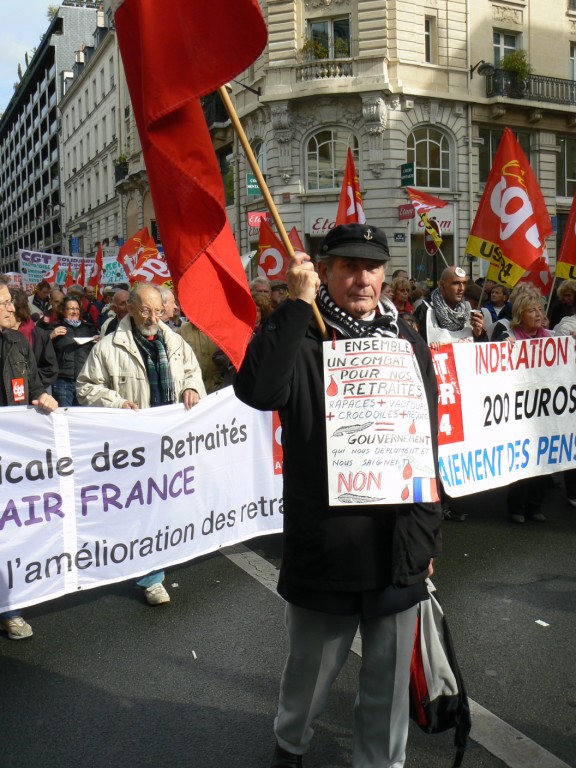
x=114 y=372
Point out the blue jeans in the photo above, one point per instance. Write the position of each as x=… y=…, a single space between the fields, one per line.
x=64 y=392
x=156 y=577
x=10 y=615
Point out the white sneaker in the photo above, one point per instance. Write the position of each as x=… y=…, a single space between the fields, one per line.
x=17 y=628
x=156 y=595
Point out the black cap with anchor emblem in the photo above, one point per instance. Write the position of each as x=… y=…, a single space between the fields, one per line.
x=355 y=241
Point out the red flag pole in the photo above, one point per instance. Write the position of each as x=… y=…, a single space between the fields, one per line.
x=265 y=191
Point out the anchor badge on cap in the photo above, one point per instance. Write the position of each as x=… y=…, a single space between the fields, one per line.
x=369 y=235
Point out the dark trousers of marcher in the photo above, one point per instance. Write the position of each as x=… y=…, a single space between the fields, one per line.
x=570 y=483
x=319 y=646
x=525 y=497
x=64 y=392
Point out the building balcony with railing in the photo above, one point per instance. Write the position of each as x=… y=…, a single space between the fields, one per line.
x=553 y=90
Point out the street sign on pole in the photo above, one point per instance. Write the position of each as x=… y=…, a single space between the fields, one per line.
x=429 y=244
x=407 y=174
x=252 y=185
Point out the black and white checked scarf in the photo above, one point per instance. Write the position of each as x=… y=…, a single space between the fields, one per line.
x=451 y=319
x=383 y=324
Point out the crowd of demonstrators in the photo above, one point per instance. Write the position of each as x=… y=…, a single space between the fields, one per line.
x=446 y=316
x=473 y=295
x=260 y=285
x=38 y=338
x=342 y=568
x=401 y=289
x=117 y=309
x=72 y=338
x=171 y=316
x=20 y=384
x=387 y=290
x=39 y=301
x=205 y=350
x=142 y=364
x=278 y=292
x=267 y=296
x=499 y=304
x=563 y=302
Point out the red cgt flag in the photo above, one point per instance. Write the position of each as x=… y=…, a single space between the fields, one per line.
x=139 y=246
x=296 y=240
x=512 y=220
x=81 y=276
x=422 y=202
x=350 y=210
x=566 y=263
x=175 y=52
x=95 y=279
x=272 y=256
x=69 y=277
x=52 y=275
x=152 y=269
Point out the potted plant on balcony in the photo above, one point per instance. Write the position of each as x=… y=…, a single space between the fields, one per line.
x=517 y=68
x=341 y=48
x=120 y=167
x=314 y=49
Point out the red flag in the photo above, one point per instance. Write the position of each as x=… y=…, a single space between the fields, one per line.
x=296 y=240
x=512 y=220
x=95 y=278
x=566 y=262
x=139 y=245
x=539 y=275
x=175 y=52
x=272 y=256
x=81 y=276
x=52 y=275
x=350 y=210
x=69 y=277
x=152 y=269
x=422 y=202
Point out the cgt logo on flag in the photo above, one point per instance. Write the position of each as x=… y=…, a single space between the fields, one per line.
x=512 y=220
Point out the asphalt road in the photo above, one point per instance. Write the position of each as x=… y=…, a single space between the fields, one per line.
x=108 y=682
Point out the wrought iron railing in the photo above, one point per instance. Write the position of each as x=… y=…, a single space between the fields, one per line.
x=533 y=87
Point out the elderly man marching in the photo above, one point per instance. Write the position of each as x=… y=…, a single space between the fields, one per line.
x=142 y=364
x=342 y=567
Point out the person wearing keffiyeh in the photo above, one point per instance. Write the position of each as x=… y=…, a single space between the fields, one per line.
x=142 y=364
x=342 y=567
x=446 y=317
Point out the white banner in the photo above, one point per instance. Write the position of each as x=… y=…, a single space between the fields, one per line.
x=506 y=411
x=34 y=265
x=93 y=496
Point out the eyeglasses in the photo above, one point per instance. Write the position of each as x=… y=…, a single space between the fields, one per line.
x=6 y=304
x=149 y=312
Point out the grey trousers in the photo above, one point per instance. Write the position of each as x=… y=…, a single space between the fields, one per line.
x=319 y=646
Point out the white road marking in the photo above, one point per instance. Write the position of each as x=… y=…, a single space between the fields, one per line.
x=500 y=739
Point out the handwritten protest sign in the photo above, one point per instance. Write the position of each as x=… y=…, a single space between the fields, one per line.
x=377 y=424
